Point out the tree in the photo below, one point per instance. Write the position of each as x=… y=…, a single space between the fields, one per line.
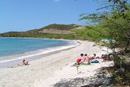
x=116 y=22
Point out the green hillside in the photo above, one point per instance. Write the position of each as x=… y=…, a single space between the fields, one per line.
x=56 y=31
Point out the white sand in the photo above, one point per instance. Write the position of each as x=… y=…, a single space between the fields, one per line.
x=46 y=71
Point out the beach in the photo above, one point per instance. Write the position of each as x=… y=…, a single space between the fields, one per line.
x=54 y=67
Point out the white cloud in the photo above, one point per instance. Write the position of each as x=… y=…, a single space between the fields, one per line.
x=56 y=0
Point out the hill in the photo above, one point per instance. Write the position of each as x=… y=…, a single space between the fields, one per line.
x=51 y=31
x=56 y=29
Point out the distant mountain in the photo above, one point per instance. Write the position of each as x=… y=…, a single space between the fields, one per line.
x=50 y=31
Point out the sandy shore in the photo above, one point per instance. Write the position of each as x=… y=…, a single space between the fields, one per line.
x=47 y=71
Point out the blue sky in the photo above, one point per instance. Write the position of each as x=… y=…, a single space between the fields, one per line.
x=23 y=15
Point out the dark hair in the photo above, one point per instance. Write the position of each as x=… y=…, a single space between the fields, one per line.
x=81 y=54
x=85 y=54
x=94 y=54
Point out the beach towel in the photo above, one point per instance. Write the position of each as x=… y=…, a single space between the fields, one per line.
x=81 y=64
x=95 y=61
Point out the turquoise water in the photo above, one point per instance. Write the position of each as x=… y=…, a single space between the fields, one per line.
x=12 y=47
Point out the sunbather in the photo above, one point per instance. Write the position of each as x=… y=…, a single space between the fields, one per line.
x=25 y=62
x=85 y=59
x=80 y=59
x=94 y=56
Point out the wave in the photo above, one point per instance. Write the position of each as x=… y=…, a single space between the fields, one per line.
x=70 y=44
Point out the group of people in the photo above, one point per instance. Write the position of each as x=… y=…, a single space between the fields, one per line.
x=84 y=58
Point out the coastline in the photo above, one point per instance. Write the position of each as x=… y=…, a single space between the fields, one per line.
x=44 y=68
x=13 y=60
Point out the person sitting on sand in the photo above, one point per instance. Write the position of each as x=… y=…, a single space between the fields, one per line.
x=102 y=56
x=95 y=59
x=94 y=56
x=80 y=58
x=85 y=58
x=25 y=62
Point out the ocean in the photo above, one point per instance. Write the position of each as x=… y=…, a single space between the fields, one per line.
x=14 y=49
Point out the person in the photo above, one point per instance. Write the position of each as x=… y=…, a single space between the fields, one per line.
x=102 y=56
x=25 y=62
x=86 y=58
x=94 y=56
x=95 y=59
x=80 y=59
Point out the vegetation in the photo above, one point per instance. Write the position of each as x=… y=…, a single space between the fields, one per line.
x=61 y=26
x=82 y=33
x=37 y=33
x=91 y=33
x=115 y=24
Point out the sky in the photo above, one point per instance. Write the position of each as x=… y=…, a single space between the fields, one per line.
x=23 y=15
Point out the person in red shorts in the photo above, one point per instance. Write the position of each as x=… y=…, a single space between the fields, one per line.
x=80 y=58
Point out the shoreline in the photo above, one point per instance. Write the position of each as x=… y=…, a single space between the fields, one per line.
x=14 y=60
x=18 y=62
x=44 y=69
